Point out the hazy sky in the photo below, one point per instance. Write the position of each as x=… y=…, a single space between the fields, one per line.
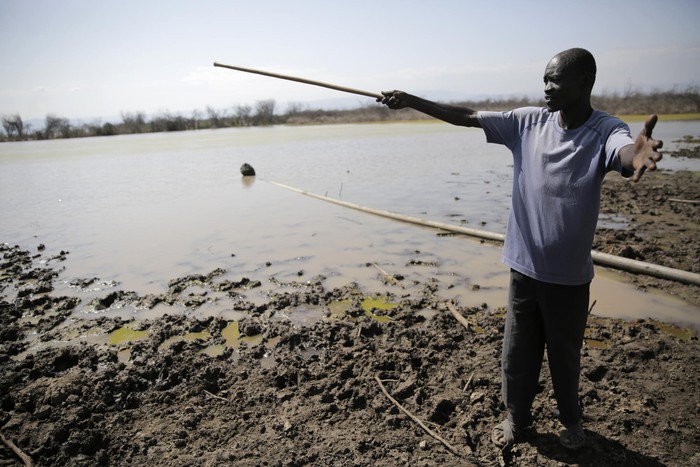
x=92 y=58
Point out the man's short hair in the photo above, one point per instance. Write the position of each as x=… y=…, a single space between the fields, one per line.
x=581 y=60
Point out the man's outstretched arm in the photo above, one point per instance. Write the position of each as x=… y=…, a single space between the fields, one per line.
x=643 y=154
x=454 y=114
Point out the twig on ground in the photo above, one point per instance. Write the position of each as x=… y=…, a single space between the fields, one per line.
x=458 y=315
x=592 y=305
x=417 y=420
x=686 y=201
x=469 y=381
x=18 y=452
x=215 y=396
x=391 y=278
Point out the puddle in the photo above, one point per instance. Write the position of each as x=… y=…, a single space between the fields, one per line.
x=613 y=221
x=339 y=308
x=231 y=335
x=597 y=343
x=125 y=334
x=188 y=337
x=232 y=339
x=380 y=304
x=681 y=333
x=684 y=334
x=306 y=315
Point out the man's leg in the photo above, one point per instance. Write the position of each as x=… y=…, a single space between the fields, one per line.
x=523 y=348
x=565 y=312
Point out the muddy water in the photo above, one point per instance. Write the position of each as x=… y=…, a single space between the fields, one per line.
x=137 y=211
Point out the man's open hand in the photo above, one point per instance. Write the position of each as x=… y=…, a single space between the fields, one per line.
x=646 y=153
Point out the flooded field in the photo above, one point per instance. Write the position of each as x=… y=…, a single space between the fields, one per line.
x=135 y=212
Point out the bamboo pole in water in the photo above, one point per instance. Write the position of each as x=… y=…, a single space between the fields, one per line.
x=603 y=259
x=301 y=80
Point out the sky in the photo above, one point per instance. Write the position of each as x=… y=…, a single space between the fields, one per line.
x=96 y=59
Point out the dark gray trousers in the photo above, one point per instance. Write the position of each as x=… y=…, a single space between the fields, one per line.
x=543 y=315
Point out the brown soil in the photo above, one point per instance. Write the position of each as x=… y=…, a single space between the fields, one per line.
x=309 y=395
x=664 y=225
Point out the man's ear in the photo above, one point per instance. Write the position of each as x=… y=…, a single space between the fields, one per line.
x=589 y=79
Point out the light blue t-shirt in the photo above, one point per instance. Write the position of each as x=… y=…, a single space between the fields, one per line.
x=556 y=188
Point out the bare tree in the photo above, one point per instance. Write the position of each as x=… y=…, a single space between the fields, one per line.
x=215 y=117
x=264 y=112
x=169 y=122
x=14 y=126
x=295 y=108
x=134 y=122
x=56 y=127
x=242 y=115
x=196 y=117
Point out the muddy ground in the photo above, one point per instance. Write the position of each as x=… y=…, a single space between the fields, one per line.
x=275 y=392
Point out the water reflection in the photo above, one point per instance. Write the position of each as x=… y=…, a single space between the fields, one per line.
x=247 y=181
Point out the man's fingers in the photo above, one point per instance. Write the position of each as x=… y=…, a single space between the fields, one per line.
x=638 y=174
x=391 y=98
x=649 y=164
x=649 y=125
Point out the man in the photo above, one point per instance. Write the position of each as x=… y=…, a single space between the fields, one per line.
x=561 y=154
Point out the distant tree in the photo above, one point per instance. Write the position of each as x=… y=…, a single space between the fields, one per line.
x=97 y=128
x=14 y=126
x=264 y=112
x=196 y=117
x=215 y=117
x=56 y=127
x=241 y=115
x=295 y=108
x=169 y=122
x=8 y=125
x=134 y=122
x=108 y=129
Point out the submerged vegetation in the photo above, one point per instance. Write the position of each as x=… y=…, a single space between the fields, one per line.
x=682 y=104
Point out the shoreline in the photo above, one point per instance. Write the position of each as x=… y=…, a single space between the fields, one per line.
x=184 y=390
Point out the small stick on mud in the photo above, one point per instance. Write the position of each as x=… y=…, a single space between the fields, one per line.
x=417 y=420
x=458 y=315
x=215 y=396
x=18 y=452
x=469 y=381
x=592 y=305
x=391 y=278
x=686 y=201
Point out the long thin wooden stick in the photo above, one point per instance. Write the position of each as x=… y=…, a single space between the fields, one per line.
x=301 y=80
x=686 y=201
x=389 y=277
x=417 y=420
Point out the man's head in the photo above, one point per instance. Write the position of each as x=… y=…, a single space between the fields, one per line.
x=569 y=79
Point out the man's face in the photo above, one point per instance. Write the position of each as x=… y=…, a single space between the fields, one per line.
x=563 y=86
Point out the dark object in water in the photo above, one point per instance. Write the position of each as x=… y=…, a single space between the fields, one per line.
x=247 y=170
